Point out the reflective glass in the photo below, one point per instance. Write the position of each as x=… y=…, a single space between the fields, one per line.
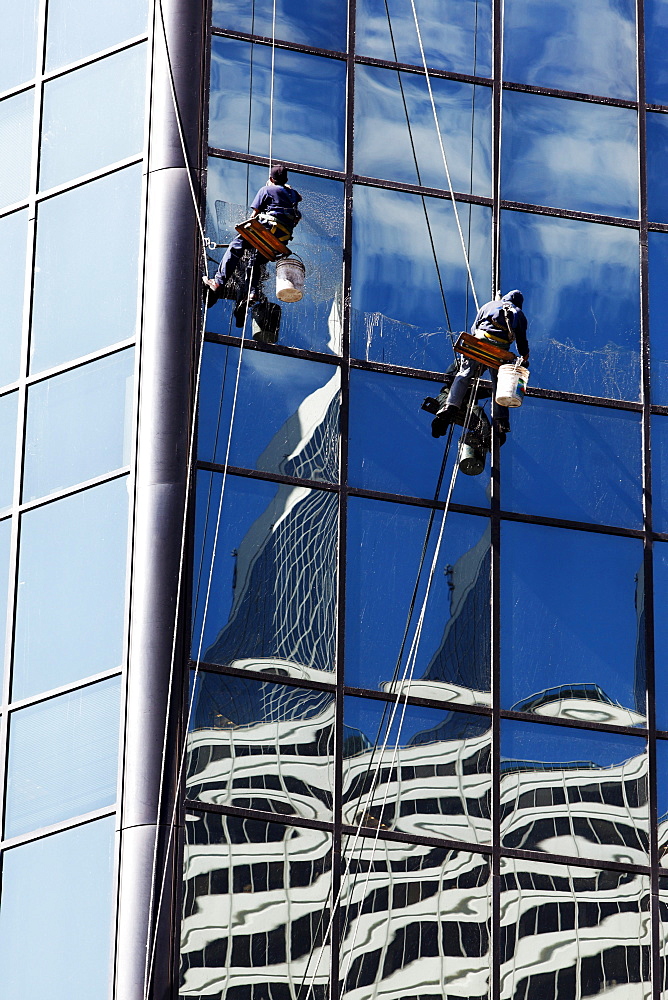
x=571 y=642
x=308 y=108
x=324 y=26
x=656 y=42
x=583 y=338
x=258 y=745
x=657 y=176
x=13 y=236
x=571 y=932
x=591 y=788
x=15 y=147
x=19 y=42
x=393 y=757
x=416 y=922
x=465 y=118
x=82 y=130
x=286 y=416
x=658 y=307
x=660 y=472
x=73 y=316
x=587 y=47
x=5 y=548
x=71 y=589
x=590 y=472
x=63 y=757
x=570 y=154
x=385 y=542
x=315 y=323
x=662 y=799
x=661 y=633
x=456 y=34
x=397 y=298
x=58 y=891
x=8 y=412
x=78 y=28
x=255 y=908
x=271 y=583
x=79 y=425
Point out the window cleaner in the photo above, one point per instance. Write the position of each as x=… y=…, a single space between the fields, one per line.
x=477 y=441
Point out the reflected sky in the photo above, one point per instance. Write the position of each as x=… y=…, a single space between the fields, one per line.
x=659 y=425
x=16 y=131
x=5 y=541
x=13 y=245
x=76 y=29
x=325 y=27
x=657 y=179
x=658 y=308
x=19 y=49
x=8 y=411
x=656 y=42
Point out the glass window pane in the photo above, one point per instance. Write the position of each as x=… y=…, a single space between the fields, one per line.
x=660 y=472
x=570 y=154
x=592 y=787
x=309 y=103
x=8 y=412
x=657 y=179
x=656 y=41
x=272 y=602
x=234 y=720
x=58 y=891
x=254 y=898
x=583 y=339
x=79 y=425
x=78 y=28
x=18 y=47
x=661 y=633
x=385 y=542
x=71 y=590
x=5 y=548
x=64 y=299
x=398 y=291
x=464 y=114
x=658 y=305
x=13 y=237
x=662 y=802
x=572 y=645
x=76 y=137
x=286 y=416
x=587 y=47
x=63 y=757
x=323 y=26
x=590 y=472
x=15 y=147
x=456 y=34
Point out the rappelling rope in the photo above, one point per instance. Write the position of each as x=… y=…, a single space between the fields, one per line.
x=271 y=88
x=497 y=248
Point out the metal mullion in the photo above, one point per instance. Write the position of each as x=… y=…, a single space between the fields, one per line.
x=281 y=349
x=81 y=362
x=463 y=197
x=571 y=95
x=54 y=693
x=263 y=161
x=268 y=477
x=106 y=477
x=278 y=43
x=67 y=824
x=567 y=213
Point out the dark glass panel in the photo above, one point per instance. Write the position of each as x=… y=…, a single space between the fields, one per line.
x=571 y=624
x=661 y=633
x=63 y=757
x=15 y=147
x=570 y=154
x=464 y=114
x=58 y=899
x=78 y=28
x=8 y=412
x=659 y=427
x=316 y=322
x=591 y=470
x=456 y=34
x=385 y=542
x=582 y=298
x=13 y=235
x=587 y=47
x=258 y=745
x=416 y=922
x=574 y=792
x=309 y=103
x=658 y=309
x=323 y=25
x=418 y=770
x=657 y=175
x=255 y=909
x=571 y=932
x=272 y=600
x=662 y=795
x=656 y=43
x=398 y=310
x=286 y=416
x=18 y=47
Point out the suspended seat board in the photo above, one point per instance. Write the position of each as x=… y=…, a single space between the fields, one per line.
x=482 y=350
x=260 y=238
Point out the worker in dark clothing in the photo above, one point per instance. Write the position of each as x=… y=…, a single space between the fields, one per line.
x=275 y=205
x=501 y=322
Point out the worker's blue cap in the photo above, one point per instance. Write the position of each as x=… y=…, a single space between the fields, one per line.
x=515 y=297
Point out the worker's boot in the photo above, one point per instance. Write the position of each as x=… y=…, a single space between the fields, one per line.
x=502 y=428
x=445 y=416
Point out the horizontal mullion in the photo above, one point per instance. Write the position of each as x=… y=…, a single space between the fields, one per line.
x=291 y=352
x=68 y=824
x=566 y=213
x=278 y=43
x=263 y=161
x=269 y=477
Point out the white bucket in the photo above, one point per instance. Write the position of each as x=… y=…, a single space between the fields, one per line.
x=511 y=385
x=290 y=274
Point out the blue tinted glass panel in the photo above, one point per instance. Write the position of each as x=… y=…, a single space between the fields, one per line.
x=580 y=606
x=584 y=337
x=15 y=147
x=316 y=322
x=656 y=43
x=78 y=28
x=18 y=47
x=398 y=289
x=309 y=103
x=298 y=401
x=5 y=543
x=587 y=47
x=63 y=757
x=391 y=446
x=63 y=303
x=456 y=34
x=13 y=235
x=661 y=633
x=591 y=470
x=58 y=891
x=464 y=114
x=8 y=411
x=323 y=25
x=77 y=137
x=657 y=163
x=79 y=425
x=570 y=154
x=71 y=589
x=660 y=472
x=658 y=308
x=384 y=571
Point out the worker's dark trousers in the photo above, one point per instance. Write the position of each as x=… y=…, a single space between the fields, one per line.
x=469 y=370
x=230 y=262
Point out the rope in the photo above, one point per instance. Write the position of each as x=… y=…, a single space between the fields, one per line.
x=497 y=249
x=271 y=89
